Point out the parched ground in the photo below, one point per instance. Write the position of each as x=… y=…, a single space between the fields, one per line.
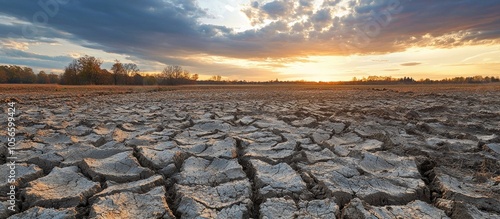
x=254 y=151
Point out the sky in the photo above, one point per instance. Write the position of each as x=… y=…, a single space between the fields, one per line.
x=314 y=40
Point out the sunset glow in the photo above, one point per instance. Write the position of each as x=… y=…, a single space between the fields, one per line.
x=317 y=40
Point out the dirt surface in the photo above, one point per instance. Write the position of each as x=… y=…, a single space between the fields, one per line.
x=426 y=151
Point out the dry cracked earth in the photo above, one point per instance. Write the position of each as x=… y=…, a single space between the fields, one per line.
x=257 y=152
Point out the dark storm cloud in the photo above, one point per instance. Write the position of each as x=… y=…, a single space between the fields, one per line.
x=17 y=57
x=125 y=27
x=168 y=31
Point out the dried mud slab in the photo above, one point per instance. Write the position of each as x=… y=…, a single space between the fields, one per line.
x=39 y=212
x=286 y=208
x=141 y=186
x=277 y=180
x=220 y=149
x=152 y=204
x=459 y=189
x=122 y=167
x=62 y=188
x=199 y=171
x=214 y=202
x=275 y=151
x=23 y=173
x=379 y=179
x=357 y=209
x=161 y=157
x=459 y=209
x=76 y=153
x=5 y=211
x=259 y=152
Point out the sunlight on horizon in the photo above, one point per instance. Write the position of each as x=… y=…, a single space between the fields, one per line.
x=264 y=40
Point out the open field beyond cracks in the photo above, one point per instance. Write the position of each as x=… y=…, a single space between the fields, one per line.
x=254 y=152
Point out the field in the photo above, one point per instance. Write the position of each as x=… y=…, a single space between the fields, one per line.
x=405 y=151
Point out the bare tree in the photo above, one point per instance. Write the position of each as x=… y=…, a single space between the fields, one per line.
x=131 y=69
x=194 y=77
x=216 y=78
x=174 y=74
x=119 y=73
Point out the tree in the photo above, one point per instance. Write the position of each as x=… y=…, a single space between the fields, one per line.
x=104 y=77
x=3 y=75
x=53 y=78
x=150 y=80
x=194 y=77
x=28 y=76
x=84 y=70
x=90 y=67
x=138 y=79
x=70 y=75
x=42 y=78
x=14 y=74
x=174 y=74
x=216 y=78
x=131 y=69
x=119 y=73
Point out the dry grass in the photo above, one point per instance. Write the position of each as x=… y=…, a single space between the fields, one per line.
x=30 y=88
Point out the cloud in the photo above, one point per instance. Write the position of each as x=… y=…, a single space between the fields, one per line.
x=276 y=9
x=17 y=57
x=411 y=64
x=11 y=44
x=168 y=31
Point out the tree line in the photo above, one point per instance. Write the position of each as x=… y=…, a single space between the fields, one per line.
x=409 y=80
x=87 y=70
x=14 y=74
